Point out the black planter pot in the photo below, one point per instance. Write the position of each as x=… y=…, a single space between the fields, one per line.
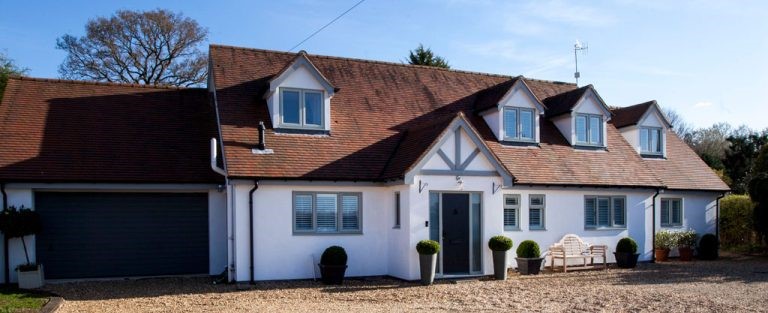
x=528 y=266
x=626 y=259
x=500 y=265
x=332 y=274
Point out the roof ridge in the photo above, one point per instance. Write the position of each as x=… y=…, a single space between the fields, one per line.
x=635 y=105
x=391 y=63
x=98 y=83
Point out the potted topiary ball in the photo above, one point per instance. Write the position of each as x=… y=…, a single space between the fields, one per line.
x=428 y=250
x=500 y=245
x=528 y=258
x=19 y=223
x=333 y=265
x=708 y=247
x=686 y=241
x=626 y=253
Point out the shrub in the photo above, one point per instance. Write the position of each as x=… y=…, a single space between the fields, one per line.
x=737 y=222
x=528 y=249
x=334 y=255
x=626 y=245
x=708 y=247
x=686 y=238
x=665 y=240
x=428 y=247
x=500 y=243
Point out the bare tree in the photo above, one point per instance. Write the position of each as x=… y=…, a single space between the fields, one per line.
x=679 y=125
x=145 y=47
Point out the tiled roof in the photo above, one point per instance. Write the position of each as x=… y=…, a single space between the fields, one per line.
x=683 y=169
x=564 y=102
x=490 y=97
x=74 y=131
x=627 y=116
x=386 y=115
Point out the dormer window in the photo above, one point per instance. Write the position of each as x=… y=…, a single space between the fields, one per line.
x=651 y=141
x=301 y=108
x=519 y=124
x=589 y=129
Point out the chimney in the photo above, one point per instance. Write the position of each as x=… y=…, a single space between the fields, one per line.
x=262 y=146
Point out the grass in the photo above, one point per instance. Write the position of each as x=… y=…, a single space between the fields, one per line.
x=16 y=300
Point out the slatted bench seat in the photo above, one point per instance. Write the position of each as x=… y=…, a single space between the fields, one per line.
x=572 y=247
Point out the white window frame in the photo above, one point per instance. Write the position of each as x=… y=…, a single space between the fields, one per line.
x=648 y=131
x=541 y=207
x=516 y=208
x=398 y=210
x=670 y=223
x=519 y=124
x=588 y=131
x=611 y=213
x=302 y=109
x=339 y=213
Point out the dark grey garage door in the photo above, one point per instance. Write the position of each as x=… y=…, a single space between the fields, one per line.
x=122 y=234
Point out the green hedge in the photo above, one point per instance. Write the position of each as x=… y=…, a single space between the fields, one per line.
x=737 y=222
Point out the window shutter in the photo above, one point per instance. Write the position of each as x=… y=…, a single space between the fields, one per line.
x=603 y=212
x=664 y=212
x=326 y=212
x=535 y=217
x=303 y=212
x=619 y=210
x=677 y=216
x=350 y=212
x=510 y=217
x=589 y=212
x=537 y=201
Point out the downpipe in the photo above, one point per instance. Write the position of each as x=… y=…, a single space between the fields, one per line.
x=717 y=216
x=6 y=262
x=653 y=225
x=250 y=227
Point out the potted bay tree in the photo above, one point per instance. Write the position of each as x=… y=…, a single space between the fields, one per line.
x=333 y=265
x=500 y=245
x=528 y=258
x=428 y=250
x=19 y=223
x=626 y=253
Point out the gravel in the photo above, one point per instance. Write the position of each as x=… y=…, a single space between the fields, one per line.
x=738 y=284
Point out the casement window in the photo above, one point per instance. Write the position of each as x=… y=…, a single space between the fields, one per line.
x=512 y=212
x=301 y=108
x=651 y=140
x=589 y=129
x=519 y=124
x=397 y=210
x=605 y=212
x=536 y=205
x=327 y=212
x=671 y=212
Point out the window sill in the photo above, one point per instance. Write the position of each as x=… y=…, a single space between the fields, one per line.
x=512 y=229
x=301 y=131
x=519 y=143
x=586 y=147
x=537 y=229
x=652 y=156
x=671 y=226
x=605 y=228
x=395 y=227
x=327 y=234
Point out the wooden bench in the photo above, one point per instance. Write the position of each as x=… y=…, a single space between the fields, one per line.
x=572 y=247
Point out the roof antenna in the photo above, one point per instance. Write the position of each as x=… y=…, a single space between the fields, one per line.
x=578 y=46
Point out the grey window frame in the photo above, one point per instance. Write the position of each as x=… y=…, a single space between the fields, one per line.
x=339 y=213
x=589 y=130
x=516 y=207
x=611 y=213
x=670 y=223
x=398 y=209
x=519 y=124
x=541 y=207
x=302 y=109
x=643 y=149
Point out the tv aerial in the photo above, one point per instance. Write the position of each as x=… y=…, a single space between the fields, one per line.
x=578 y=46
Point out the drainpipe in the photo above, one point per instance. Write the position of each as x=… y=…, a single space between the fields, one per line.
x=717 y=216
x=214 y=157
x=653 y=225
x=250 y=225
x=5 y=238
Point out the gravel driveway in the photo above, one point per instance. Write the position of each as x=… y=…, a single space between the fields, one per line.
x=736 y=284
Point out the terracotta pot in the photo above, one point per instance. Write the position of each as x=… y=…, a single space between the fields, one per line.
x=686 y=253
x=662 y=254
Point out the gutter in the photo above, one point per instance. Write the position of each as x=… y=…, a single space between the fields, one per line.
x=250 y=226
x=653 y=225
x=5 y=238
x=717 y=216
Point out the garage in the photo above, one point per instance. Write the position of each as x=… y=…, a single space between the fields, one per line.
x=109 y=234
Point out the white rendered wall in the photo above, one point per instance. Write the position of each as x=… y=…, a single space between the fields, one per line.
x=699 y=212
x=279 y=254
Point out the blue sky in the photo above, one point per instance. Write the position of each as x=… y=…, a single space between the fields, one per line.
x=706 y=59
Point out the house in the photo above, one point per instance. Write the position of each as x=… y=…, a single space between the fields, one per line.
x=286 y=154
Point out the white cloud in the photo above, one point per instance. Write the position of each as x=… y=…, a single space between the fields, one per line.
x=702 y=104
